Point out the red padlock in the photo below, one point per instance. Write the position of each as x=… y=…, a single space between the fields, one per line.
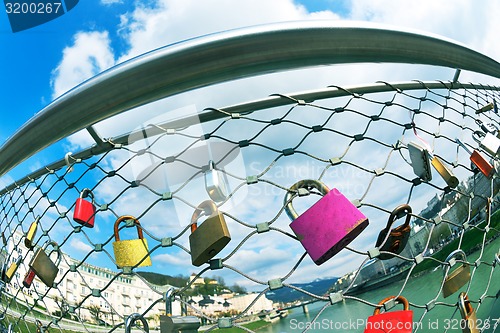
x=28 y=279
x=394 y=322
x=85 y=210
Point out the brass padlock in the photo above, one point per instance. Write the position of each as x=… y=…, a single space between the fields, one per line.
x=28 y=240
x=12 y=269
x=459 y=277
x=43 y=267
x=211 y=237
x=470 y=322
x=398 y=237
x=445 y=172
x=131 y=252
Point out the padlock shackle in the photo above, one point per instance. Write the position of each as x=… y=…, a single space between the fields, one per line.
x=208 y=207
x=292 y=193
x=480 y=135
x=399 y=299
x=132 y=319
x=464 y=305
x=86 y=192
x=461 y=144
x=459 y=252
x=124 y=218
x=56 y=248
x=396 y=212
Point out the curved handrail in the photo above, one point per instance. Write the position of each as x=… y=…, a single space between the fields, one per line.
x=227 y=56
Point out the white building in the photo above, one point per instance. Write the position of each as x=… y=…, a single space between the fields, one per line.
x=81 y=286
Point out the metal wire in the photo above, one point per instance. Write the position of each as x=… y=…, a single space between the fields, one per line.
x=328 y=137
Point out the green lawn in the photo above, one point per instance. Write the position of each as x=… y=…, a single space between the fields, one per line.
x=471 y=239
x=252 y=326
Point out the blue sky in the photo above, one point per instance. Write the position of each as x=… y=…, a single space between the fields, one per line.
x=41 y=63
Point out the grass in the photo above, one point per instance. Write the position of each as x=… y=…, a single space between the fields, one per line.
x=471 y=239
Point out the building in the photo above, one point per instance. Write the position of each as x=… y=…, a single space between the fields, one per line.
x=85 y=289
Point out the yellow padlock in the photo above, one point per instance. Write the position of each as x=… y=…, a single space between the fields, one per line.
x=12 y=269
x=28 y=240
x=469 y=323
x=131 y=252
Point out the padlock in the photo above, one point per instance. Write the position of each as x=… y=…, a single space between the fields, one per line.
x=469 y=322
x=459 y=277
x=30 y=235
x=176 y=324
x=4 y=240
x=131 y=252
x=211 y=237
x=487 y=141
x=215 y=183
x=28 y=278
x=398 y=237
x=12 y=269
x=445 y=172
x=43 y=267
x=85 y=210
x=488 y=128
x=419 y=157
x=479 y=160
x=394 y=321
x=487 y=107
x=329 y=225
x=132 y=319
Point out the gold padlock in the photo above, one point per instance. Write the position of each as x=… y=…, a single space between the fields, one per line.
x=43 y=267
x=12 y=269
x=445 y=172
x=469 y=324
x=131 y=252
x=28 y=240
x=459 y=277
x=211 y=237
x=398 y=237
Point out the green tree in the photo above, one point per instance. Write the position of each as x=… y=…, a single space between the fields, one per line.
x=95 y=311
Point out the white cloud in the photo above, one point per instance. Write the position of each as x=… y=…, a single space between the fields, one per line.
x=111 y=2
x=147 y=28
x=90 y=54
x=80 y=246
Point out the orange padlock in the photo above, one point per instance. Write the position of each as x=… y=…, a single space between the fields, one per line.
x=394 y=322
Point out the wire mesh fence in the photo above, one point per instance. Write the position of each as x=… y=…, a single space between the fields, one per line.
x=102 y=218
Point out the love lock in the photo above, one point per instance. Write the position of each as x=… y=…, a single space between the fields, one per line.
x=487 y=141
x=215 y=183
x=444 y=172
x=211 y=237
x=329 y=225
x=12 y=269
x=131 y=252
x=28 y=240
x=394 y=321
x=469 y=318
x=85 y=210
x=479 y=161
x=43 y=267
x=459 y=277
x=398 y=237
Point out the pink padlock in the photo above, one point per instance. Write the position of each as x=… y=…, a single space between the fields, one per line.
x=85 y=210
x=329 y=225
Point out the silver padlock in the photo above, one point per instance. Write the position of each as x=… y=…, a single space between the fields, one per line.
x=216 y=183
x=132 y=319
x=488 y=128
x=179 y=324
x=420 y=161
x=487 y=141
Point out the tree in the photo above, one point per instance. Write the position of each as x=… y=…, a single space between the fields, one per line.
x=95 y=311
x=238 y=289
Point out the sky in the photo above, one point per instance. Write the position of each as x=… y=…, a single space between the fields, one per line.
x=42 y=63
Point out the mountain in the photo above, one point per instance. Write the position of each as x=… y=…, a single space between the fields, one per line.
x=317 y=287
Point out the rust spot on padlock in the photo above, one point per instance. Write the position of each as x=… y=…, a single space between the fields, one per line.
x=329 y=225
x=398 y=237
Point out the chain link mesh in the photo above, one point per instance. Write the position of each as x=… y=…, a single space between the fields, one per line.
x=356 y=143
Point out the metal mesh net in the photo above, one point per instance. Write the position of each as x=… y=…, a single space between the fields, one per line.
x=354 y=142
